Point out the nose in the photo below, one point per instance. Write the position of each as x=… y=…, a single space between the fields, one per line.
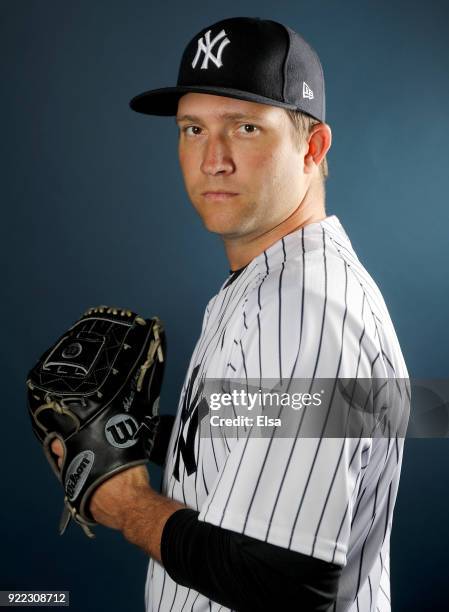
x=217 y=158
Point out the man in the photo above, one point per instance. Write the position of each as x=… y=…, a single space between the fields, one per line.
x=259 y=522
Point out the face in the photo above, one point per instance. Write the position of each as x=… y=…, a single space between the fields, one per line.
x=242 y=169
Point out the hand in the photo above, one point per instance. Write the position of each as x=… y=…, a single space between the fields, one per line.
x=127 y=502
x=111 y=500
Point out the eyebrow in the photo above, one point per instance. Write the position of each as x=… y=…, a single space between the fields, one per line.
x=231 y=116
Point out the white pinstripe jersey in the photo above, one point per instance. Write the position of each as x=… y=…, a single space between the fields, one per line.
x=304 y=308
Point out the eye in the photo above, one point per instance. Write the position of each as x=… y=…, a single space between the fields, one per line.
x=248 y=128
x=191 y=130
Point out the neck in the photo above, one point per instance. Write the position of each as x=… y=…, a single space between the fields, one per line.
x=240 y=251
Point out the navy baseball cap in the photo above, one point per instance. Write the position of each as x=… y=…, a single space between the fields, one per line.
x=249 y=59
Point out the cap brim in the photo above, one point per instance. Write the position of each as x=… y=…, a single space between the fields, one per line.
x=164 y=101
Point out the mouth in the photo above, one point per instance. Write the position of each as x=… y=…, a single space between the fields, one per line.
x=219 y=195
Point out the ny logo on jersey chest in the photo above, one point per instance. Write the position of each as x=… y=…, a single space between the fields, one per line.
x=206 y=45
x=194 y=409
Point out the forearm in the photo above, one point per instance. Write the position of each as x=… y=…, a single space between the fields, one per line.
x=243 y=573
x=228 y=567
x=146 y=517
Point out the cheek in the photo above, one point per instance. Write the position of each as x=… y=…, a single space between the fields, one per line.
x=256 y=169
x=189 y=165
x=267 y=171
x=274 y=158
x=285 y=168
x=259 y=161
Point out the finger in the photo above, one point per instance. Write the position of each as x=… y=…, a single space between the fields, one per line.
x=57 y=450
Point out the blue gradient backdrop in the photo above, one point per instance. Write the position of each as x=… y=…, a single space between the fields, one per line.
x=94 y=211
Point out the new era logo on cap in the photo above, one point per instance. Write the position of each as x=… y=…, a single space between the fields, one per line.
x=206 y=45
x=306 y=91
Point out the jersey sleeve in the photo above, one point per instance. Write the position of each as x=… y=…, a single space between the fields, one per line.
x=299 y=493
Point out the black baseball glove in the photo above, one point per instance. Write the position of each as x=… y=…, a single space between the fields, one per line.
x=97 y=390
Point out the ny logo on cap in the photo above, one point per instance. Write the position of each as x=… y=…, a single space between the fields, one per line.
x=306 y=91
x=207 y=47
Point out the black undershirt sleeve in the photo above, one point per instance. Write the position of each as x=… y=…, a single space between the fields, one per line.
x=243 y=573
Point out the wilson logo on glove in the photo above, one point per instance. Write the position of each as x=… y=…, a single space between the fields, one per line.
x=120 y=431
x=77 y=472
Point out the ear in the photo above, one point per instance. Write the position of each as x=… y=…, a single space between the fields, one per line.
x=319 y=143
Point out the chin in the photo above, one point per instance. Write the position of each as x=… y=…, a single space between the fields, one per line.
x=217 y=221
x=224 y=219
x=219 y=227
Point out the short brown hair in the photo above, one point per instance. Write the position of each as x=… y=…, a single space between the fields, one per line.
x=303 y=125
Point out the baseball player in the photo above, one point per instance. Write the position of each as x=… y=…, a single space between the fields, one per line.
x=263 y=522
